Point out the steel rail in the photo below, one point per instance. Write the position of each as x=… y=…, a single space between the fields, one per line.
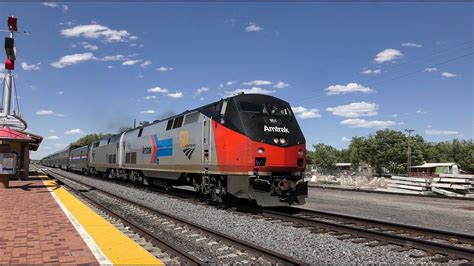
x=164 y=245
x=384 y=232
x=243 y=245
x=446 y=235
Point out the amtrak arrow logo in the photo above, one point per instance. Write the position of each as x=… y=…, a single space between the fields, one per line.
x=189 y=152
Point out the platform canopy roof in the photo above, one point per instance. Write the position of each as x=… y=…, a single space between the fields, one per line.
x=21 y=136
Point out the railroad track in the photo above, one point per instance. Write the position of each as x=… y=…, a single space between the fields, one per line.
x=445 y=246
x=448 y=246
x=228 y=249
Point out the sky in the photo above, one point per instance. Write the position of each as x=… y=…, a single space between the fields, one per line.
x=347 y=69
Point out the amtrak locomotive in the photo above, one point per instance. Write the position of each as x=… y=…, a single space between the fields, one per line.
x=248 y=146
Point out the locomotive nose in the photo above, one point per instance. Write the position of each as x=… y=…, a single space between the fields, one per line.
x=279 y=158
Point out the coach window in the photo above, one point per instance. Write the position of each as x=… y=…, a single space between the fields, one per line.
x=170 y=124
x=140 y=132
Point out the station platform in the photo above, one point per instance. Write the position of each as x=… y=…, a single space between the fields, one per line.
x=40 y=222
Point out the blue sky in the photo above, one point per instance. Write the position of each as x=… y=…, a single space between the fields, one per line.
x=348 y=69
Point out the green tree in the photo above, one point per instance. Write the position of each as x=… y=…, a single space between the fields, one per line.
x=324 y=155
x=88 y=139
x=355 y=151
x=144 y=123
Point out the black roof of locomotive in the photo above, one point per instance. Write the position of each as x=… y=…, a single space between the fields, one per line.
x=254 y=96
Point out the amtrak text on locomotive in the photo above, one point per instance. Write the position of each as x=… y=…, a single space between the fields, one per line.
x=276 y=129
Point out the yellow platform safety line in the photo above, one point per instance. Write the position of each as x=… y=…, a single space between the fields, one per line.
x=116 y=246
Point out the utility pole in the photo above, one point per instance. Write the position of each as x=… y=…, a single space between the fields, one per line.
x=409 y=150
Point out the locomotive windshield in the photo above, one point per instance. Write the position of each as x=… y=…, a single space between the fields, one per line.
x=268 y=109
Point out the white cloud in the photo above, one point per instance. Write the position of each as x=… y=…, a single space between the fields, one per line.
x=74 y=131
x=411 y=44
x=147 y=112
x=27 y=67
x=158 y=89
x=176 y=94
x=441 y=132
x=131 y=62
x=253 y=27
x=305 y=113
x=448 y=75
x=50 y=4
x=281 y=85
x=388 y=55
x=140 y=76
x=350 y=87
x=89 y=46
x=430 y=69
x=362 y=123
x=145 y=64
x=96 y=31
x=150 y=97
x=117 y=57
x=51 y=130
x=395 y=115
x=230 y=82
x=48 y=112
x=420 y=112
x=68 y=60
x=345 y=139
x=201 y=90
x=258 y=83
x=250 y=91
x=60 y=92
x=164 y=69
x=354 y=109
x=52 y=137
x=371 y=71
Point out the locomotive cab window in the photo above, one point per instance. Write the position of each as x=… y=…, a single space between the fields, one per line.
x=276 y=109
x=254 y=107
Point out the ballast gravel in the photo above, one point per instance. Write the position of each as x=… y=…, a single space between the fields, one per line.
x=298 y=243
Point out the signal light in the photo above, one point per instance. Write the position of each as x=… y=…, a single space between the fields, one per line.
x=300 y=153
x=276 y=140
x=260 y=150
x=12 y=23
x=9 y=64
x=282 y=141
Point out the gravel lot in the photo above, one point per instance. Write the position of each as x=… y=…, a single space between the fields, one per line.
x=439 y=213
x=295 y=242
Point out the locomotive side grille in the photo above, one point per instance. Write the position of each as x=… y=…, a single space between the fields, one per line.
x=191 y=118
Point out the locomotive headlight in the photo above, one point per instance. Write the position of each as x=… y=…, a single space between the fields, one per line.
x=282 y=141
x=276 y=140
x=300 y=153
x=260 y=150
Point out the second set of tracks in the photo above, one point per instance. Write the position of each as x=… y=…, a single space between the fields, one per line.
x=441 y=246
